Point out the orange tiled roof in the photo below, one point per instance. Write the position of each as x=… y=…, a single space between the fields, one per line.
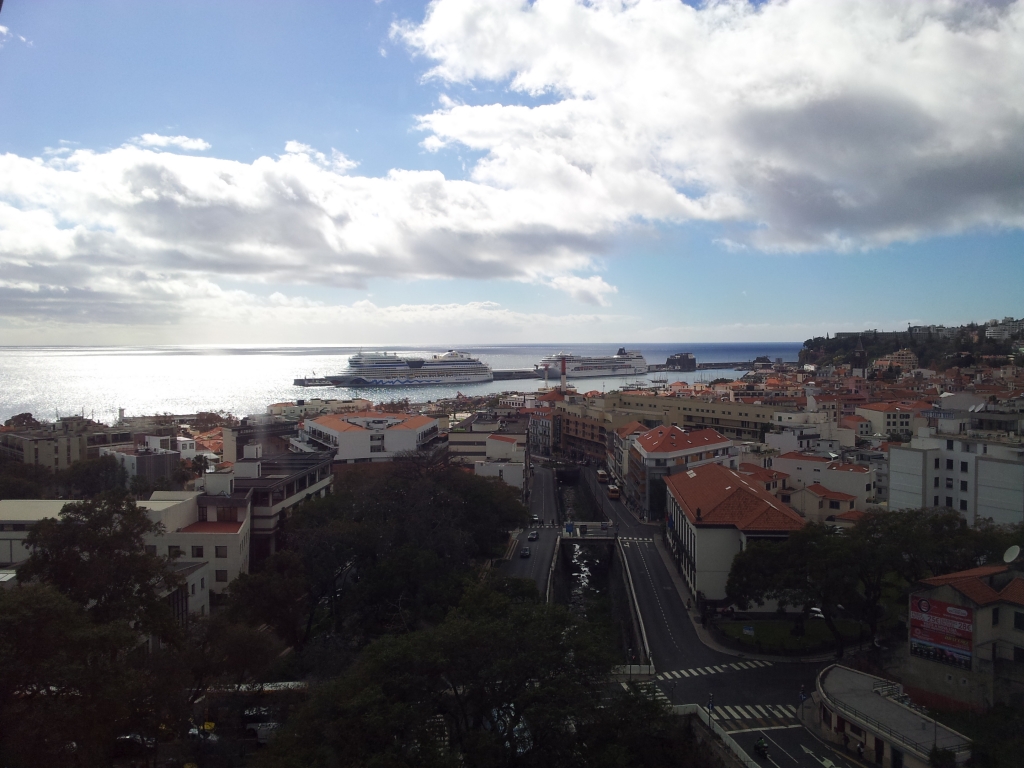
x=760 y=473
x=413 y=422
x=671 y=439
x=502 y=438
x=630 y=429
x=853 y=515
x=820 y=490
x=725 y=497
x=971 y=583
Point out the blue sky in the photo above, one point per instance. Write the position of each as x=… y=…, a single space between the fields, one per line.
x=262 y=172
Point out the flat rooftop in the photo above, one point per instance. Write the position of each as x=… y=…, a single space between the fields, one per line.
x=857 y=691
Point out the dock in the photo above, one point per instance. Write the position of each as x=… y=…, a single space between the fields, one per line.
x=312 y=382
x=516 y=373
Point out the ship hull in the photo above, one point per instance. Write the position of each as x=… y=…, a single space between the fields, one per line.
x=405 y=380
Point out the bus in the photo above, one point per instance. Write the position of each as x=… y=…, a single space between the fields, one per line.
x=613 y=491
x=602 y=476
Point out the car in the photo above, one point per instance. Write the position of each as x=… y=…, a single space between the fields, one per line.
x=524 y=552
x=535 y=520
x=262 y=732
x=533 y=536
x=817 y=614
x=604 y=525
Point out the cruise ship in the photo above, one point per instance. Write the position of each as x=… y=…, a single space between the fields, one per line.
x=387 y=369
x=622 y=363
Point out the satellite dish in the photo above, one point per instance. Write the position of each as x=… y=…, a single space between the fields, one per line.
x=1011 y=554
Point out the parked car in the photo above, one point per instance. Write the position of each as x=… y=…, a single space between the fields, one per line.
x=524 y=552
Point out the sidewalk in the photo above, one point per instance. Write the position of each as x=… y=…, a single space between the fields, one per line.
x=705 y=636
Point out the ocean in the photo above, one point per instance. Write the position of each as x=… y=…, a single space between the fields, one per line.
x=95 y=381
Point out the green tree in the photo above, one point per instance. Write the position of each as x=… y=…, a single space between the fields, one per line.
x=65 y=690
x=94 y=553
x=92 y=477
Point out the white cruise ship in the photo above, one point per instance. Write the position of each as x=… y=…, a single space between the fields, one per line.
x=386 y=369
x=622 y=363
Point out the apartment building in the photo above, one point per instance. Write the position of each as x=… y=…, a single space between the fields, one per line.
x=981 y=477
x=467 y=440
x=301 y=409
x=540 y=430
x=59 y=444
x=664 y=451
x=714 y=513
x=805 y=469
x=818 y=504
x=903 y=359
x=505 y=459
x=622 y=443
x=894 y=418
x=737 y=420
x=966 y=639
x=367 y=436
x=139 y=460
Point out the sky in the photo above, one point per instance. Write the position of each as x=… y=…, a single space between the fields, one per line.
x=500 y=171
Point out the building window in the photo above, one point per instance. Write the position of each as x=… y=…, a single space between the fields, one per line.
x=949 y=502
x=963 y=485
x=197 y=553
x=220 y=551
x=1018 y=654
x=949 y=463
x=995 y=617
x=949 y=445
x=220 y=575
x=1018 y=620
x=936 y=463
x=949 y=482
x=151 y=549
x=935 y=483
x=173 y=551
x=935 y=501
x=193 y=589
x=202 y=583
x=963 y=505
x=833 y=505
x=963 y=466
x=202 y=514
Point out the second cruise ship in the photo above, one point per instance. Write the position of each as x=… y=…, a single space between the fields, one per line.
x=387 y=369
x=622 y=363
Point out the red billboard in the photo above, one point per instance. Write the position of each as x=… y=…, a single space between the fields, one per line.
x=941 y=632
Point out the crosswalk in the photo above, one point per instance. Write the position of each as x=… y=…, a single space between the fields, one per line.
x=635 y=538
x=738 y=666
x=755 y=717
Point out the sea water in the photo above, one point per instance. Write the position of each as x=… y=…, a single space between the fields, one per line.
x=96 y=381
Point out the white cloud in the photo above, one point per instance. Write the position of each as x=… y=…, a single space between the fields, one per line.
x=181 y=142
x=810 y=125
x=589 y=290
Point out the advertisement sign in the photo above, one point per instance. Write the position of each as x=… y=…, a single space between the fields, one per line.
x=941 y=632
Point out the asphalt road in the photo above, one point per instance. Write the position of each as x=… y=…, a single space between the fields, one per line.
x=544 y=506
x=751 y=697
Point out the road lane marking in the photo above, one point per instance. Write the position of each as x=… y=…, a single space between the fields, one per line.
x=698 y=669
x=676 y=674
x=719 y=669
x=684 y=673
x=791 y=708
x=767 y=728
x=710 y=670
x=732 y=714
x=736 y=666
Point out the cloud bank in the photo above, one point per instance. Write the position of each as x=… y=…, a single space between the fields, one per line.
x=793 y=126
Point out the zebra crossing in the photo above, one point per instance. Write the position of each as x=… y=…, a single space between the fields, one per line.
x=712 y=670
x=635 y=538
x=737 y=718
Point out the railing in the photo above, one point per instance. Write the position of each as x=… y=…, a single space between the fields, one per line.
x=635 y=605
x=922 y=749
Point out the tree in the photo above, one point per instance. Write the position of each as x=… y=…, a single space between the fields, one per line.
x=23 y=421
x=92 y=477
x=65 y=691
x=812 y=568
x=94 y=553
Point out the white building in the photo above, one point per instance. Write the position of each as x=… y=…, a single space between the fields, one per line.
x=367 y=436
x=213 y=528
x=806 y=469
x=505 y=460
x=316 y=407
x=981 y=477
x=714 y=513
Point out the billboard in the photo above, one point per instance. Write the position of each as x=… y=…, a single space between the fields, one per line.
x=941 y=632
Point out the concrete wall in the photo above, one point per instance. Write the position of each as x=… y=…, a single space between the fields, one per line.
x=715 y=550
x=1000 y=490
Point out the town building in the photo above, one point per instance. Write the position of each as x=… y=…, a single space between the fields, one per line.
x=981 y=477
x=664 y=451
x=540 y=430
x=467 y=440
x=804 y=469
x=505 y=460
x=368 y=436
x=59 y=444
x=903 y=359
x=273 y=434
x=301 y=409
x=966 y=639
x=736 y=419
x=894 y=418
x=870 y=715
x=153 y=465
x=714 y=513
x=623 y=439
x=818 y=504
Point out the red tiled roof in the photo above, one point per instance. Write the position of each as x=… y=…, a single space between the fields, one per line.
x=797 y=456
x=762 y=474
x=671 y=439
x=212 y=527
x=820 y=490
x=972 y=584
x=629 y=429
x=413 y=422
x=502 y=438
x=725 y=497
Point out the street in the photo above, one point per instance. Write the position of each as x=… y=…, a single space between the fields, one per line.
x=751 y=697
x=544 y=506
